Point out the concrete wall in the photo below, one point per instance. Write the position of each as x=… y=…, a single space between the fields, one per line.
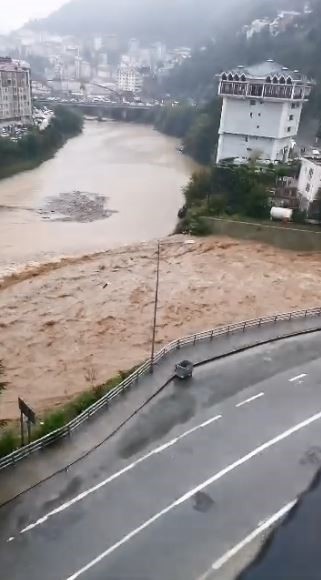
x=289 y=237
x=244 y=146
x=259 y=117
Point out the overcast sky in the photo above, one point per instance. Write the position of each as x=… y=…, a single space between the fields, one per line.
x=14 y=13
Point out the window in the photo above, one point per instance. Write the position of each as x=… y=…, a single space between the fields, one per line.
x=251 y=115
x=293 y=105
x=311 y=171
x=308 y=187
x=259 y=114
x=288 y=129
x=246 y=138
x=291 y=117
x=257 y=126
x=252 y=102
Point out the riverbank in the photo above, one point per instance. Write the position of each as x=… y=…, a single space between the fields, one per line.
x=114 y=184
x=71 y=326
x=196 y=127
x=38 y=146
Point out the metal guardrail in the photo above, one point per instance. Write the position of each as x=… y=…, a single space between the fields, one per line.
x=133 y=379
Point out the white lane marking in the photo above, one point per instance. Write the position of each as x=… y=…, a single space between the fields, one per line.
x=196 y=489
x=114 y=476
x=257 y=532
x=297 y=378
x=250 y=400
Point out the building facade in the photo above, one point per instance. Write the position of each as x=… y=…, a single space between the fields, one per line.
x=261 y=112
x=129 y=79
x=309 y=183
x=15 y=92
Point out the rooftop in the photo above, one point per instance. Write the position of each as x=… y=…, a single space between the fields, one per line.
x=9 y=64
x=268 y=68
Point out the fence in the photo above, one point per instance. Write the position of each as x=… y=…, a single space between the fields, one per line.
x=133 y=379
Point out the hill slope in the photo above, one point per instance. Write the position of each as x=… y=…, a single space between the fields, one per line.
x=173 y=21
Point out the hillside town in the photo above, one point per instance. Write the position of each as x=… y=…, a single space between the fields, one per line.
x=68 y=63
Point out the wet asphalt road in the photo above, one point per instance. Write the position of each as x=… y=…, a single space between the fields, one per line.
x=184 y=482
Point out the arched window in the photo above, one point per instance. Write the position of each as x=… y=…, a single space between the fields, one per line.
x=289 y=81
x=236 y=77
x=268 y=79
x=243 y=78
x=230 y=77
x=282 y=80
x=275 y=80
x=224 y=77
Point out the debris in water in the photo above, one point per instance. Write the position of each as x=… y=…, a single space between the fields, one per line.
x=76 y=206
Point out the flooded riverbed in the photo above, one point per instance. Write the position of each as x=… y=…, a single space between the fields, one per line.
x=114 y=184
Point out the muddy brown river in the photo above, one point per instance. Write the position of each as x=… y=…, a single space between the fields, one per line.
x=114 y=184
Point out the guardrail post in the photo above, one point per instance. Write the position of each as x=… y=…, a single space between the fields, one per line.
x=290 y=317
x=260 y=321
x=244 y=326
x=194 y=339
x=275 y=319
x=305 y=314
x=212 y=334
x=228 y=331
x=178 y=344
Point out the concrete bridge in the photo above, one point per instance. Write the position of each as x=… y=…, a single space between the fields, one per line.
x=99 y=106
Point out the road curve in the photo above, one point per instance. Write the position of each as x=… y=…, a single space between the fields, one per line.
x=187 y=480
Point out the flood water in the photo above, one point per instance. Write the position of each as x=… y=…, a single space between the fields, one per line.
x=115 y=184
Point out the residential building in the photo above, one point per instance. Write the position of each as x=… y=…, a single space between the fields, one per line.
x=15 y=91
x=129 y=79
x=261 y=111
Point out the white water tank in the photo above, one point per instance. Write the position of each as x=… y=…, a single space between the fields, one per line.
x=283 y=214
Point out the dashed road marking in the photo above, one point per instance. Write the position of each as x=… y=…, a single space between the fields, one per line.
x=297 y=378
x=250 y=400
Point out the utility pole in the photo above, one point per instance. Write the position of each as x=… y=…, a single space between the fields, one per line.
x=155 y=307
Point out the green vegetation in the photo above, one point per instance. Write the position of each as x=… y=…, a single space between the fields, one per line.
x=9 y=438
x=197 y=127
x=227 y=191
x=37 y=146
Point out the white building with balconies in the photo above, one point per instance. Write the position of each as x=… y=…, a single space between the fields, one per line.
x=261 y=111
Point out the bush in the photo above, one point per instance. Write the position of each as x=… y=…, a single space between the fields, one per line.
x=299 y=216
x=198 y=226
x=81 y=403
x=50 y=423
x=8 y=443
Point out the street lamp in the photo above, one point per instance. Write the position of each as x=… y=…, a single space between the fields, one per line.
x=158 y=256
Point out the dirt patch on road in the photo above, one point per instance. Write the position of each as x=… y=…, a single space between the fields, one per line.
x=92 y=317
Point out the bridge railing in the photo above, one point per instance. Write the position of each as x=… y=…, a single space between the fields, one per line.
x=133 y=379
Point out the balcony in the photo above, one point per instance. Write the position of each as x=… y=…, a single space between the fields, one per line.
x=263 y=90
